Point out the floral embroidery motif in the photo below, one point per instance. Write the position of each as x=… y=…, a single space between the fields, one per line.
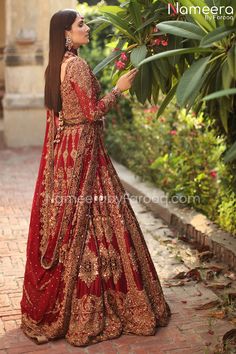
x=89 y=267
x=111 y=263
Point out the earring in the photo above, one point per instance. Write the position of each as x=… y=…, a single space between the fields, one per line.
x=69 y=43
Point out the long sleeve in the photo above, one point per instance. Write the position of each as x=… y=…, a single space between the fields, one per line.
x=82 y=82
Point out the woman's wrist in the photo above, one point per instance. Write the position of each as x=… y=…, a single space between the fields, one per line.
x=117 y=92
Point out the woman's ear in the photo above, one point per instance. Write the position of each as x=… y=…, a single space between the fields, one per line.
x=67 y=33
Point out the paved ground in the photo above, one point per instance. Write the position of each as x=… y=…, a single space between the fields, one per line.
x=187 y=332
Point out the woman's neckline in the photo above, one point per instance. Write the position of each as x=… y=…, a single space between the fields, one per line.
x=71 y=52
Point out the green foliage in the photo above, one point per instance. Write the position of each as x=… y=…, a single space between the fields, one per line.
x=199 y=50
x=180 y=153
x=227 y=212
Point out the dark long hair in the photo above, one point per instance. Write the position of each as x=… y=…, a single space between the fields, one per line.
x=60 y=21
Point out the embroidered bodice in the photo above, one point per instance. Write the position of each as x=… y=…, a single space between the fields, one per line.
x=80 y=91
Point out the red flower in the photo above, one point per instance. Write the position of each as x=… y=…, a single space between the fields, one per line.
x=157 y=41
x=119 y=64
x=152 y=109
x=173 y=132
x=115 y=49
x=164 y=43
x=123 y=56
x=213 y=174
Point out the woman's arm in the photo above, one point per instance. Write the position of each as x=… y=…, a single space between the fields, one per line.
x=82 y=83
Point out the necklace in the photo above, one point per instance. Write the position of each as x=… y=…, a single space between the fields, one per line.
x=72 y=51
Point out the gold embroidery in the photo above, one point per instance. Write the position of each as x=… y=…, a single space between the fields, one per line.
x=89 y=267
x=105 y=262
x=119 y=258
x=78 y=72
x=115 y=263
x=133 y=258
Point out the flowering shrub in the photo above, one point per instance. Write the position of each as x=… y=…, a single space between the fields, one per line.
x=179 y=153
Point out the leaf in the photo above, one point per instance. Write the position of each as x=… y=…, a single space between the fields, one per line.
x=221 y=93
x=229 y=337
x=230 y=154
x=135 y=11
x=155 y=91
x=179 y=283
x=219 y=285
x=159 y=78
x=164 y=67
x=101 y=27
x=171 y=53
x=215 y=36
x=207 y=305
x=194 y=274
x=231 y=296
x=208 y=24
x=215 y=268
x=189 y=83
x=210 y=275
x=182 y=29
x=111 y=9
x=138 y=54
x=149 y=21
x=180 y=275
x=195 y=94
x=217 y=314
x=230 y=275
x=98 y=19
x=167 y=100
x=174 y=42
x=205 y=255
x=226 y=76
x=124 y=3
x=121 y=24
x=142 y=84
x=231 y=59
x=106 y=61
x=223 y=115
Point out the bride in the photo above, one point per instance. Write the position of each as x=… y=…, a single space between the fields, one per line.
x=89 y=275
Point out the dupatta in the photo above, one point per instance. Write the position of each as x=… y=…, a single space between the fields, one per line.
x=58 y=219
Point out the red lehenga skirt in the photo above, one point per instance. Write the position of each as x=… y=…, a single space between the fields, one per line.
x=89 y=275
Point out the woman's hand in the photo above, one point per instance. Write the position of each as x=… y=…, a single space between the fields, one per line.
x=126 y=80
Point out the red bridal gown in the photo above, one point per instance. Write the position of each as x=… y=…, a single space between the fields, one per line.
x=89 y=275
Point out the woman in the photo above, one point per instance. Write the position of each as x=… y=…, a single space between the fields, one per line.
x=89 y=276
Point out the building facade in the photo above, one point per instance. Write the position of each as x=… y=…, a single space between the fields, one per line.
x=24 y=38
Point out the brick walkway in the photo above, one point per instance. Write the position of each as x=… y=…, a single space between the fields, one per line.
x=187 y=332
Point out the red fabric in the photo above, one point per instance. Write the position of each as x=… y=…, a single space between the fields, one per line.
x=88 y=104
x=79 y=166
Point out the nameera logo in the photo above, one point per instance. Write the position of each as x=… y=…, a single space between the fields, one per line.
x=218 y=12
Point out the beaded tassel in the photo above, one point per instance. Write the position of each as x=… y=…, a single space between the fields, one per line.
x=59 y=128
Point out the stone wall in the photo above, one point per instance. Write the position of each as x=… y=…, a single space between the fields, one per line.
x=25 y=60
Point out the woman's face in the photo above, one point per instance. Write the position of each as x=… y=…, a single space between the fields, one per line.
x=79 y=32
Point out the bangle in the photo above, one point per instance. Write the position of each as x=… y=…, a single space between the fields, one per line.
x=117 y=92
